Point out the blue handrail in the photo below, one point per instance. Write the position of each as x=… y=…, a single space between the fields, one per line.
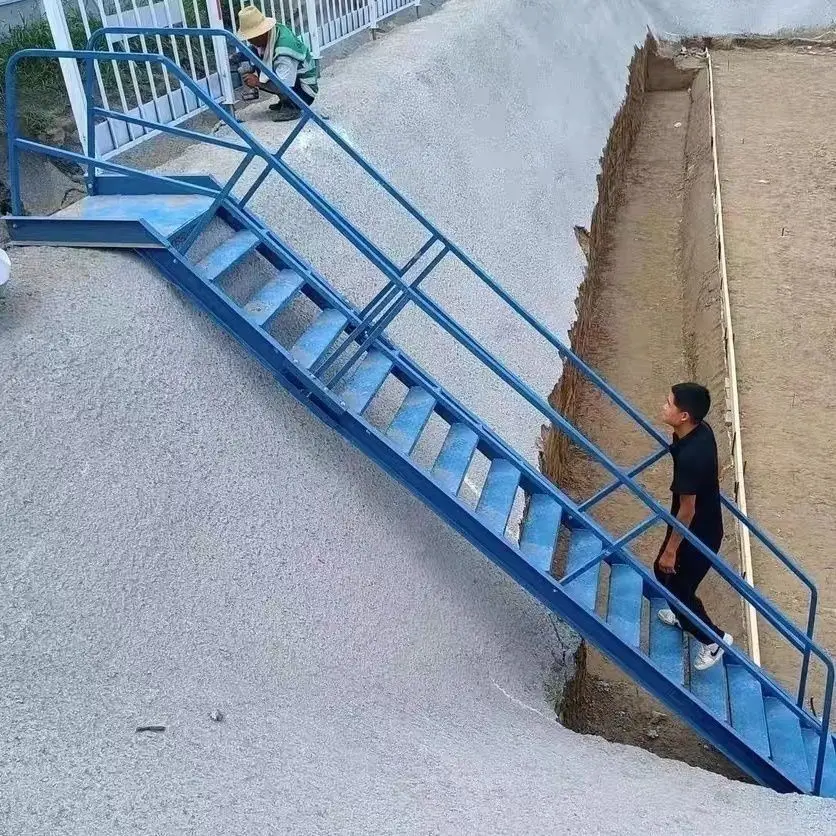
x=563 y=350
x=796 y=638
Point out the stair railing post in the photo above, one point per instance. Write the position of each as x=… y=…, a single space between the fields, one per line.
x=825 y=739
x=91 y=126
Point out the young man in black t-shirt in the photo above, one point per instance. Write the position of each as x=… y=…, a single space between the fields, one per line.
x=681 y=566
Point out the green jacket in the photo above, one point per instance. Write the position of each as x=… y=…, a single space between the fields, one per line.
x=288 y=45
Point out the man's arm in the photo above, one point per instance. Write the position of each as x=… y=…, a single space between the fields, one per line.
x=685 y=515
x=285 y=68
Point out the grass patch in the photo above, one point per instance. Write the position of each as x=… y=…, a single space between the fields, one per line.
x=42 y=101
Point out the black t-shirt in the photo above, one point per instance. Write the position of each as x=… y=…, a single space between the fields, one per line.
x=695 y=471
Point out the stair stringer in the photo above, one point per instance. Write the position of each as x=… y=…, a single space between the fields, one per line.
x=308 y=390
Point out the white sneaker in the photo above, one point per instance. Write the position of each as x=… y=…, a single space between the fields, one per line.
x=668 y=617
x=710 y=654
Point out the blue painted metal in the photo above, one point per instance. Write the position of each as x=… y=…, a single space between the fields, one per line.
x=291 y=137
x=455 y=456
x=747 y=709
x=634 y=532
x=379 y=325
x=124 y=184
x=787 y=743
x=367 y=439
x=91 y=127
x=377 y=258
x=583 y=547
x=497 y=497
x=617 y=483
x=79 y=232
x=406 y=427
x=540 y=530
x=274 y=295
x=709 y=686
x=811 y=745
x=167 y=214
x=357 y=392
x=624 y=607
x=223 y=258
x=221 y=196
x=174 y=130
x=588 y=540
x=667 y=645
x=319 y=337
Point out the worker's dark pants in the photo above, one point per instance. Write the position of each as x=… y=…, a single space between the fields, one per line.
x=269 y=87
x=691 y=567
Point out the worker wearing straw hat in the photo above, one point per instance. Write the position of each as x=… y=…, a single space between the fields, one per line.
x=286 y=54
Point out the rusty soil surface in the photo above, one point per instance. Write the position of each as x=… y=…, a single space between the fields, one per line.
x=776 y=129
x=640 y=346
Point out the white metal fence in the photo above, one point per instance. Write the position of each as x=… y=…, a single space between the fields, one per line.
x=322 y=23
x=148 y=91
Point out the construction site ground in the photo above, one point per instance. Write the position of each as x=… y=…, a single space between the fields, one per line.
x=656 y=318
x=776 y=124
x=185 y=548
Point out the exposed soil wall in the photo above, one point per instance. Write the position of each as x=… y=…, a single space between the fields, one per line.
x=617 y=151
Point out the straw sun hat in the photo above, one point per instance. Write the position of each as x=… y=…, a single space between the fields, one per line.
x=252 y=23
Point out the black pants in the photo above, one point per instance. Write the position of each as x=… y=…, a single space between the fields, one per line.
x=269 y=87
x=691 y=567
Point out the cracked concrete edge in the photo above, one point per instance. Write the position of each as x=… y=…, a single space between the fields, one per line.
x=569 y=671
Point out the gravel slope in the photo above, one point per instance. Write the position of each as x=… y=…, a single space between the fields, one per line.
x=180 y=536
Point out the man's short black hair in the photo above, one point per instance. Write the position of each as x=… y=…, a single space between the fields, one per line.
x=692 y=398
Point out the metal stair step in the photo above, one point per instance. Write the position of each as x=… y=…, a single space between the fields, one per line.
x=539 y=531
x=225 y=256
x=318 y=338
x=455 y=457
x=166 y=213
x=667 y=648
x=811 y=745
x=583 y=547
x=747 y=712
x=710 y=686
x=624 y=608
x=272 y=297
x=365 y=381
x=787 y=744
x=498 y=493
x=409 y=422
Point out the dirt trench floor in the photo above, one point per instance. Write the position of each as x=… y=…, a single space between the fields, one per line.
x=776 y=124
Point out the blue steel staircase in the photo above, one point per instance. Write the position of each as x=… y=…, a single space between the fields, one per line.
x=337 y=368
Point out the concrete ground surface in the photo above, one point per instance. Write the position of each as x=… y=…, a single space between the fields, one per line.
x=180 y=536
x=778 y=168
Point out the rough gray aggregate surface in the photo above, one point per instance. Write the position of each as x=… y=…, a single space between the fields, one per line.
x=180 y=537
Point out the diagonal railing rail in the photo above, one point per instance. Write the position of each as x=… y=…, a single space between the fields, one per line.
x=564 y=351
x=397 y=293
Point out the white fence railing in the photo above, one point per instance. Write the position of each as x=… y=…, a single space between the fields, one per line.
x=142 y=90
x=149 y=91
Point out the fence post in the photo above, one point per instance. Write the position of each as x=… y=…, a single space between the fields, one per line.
x=56 y=17
x=219 y=45
x=372 y=16
x=313 y=28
